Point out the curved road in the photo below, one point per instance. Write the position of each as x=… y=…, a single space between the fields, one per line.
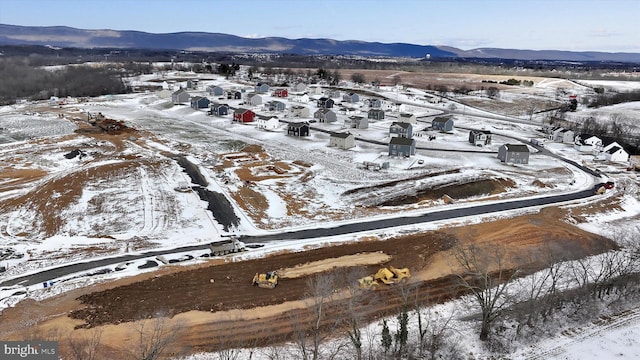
x=65 y=270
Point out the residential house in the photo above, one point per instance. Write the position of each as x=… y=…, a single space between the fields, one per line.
x=299 y=87
x=261 y=88
x=219 y=109
x=301 y=98
x=267 y=122
x=480 y=137
x=376 y=114
x=325 y=103
x=587 y=143
x=180 y=96
x=300 y=111
x=399 y=146
x=314 y=89
x=281 y=93
x=298 y=129
x=351 y=97
x=356 y=122
x=400 y=129
x=396 y=107
x=192 y=84
x=243 y=115
x=564 y=136
x=375 y=103
x=514 y=154
x=199 y=102
x=442 y=123
x=408 y=118
x=275 y=105
x=613 y=152
x=332 y=93
x=215 y=90
x=343 y=140
x=253 y=99
x=234 y=95
x=325 y=116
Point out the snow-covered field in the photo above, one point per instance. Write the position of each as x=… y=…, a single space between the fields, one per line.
x=111 y=216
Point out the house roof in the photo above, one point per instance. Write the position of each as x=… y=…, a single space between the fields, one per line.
x=266 y=117
x=298 y=124
x=179 y=91
x=241 y=111
x=401 y=124
x=324 y=111
x=406 y=115
x=376 y=110
x=342 y=135
x=402 y=141
x=614 y=149
x=441 y=119
x=486 y=132
x=300 y=107
x=219 y=105
x=516 y=148
x=356 y=118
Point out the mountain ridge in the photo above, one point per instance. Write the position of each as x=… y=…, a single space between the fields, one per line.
x=65 y=36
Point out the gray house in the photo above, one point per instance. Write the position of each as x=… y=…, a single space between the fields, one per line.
x=442 y=123
x=344 y=140
x=400 y=129
x=199 y=102
x=219 y=109
x=399 y=146
x=513 y=154
x=351 y=97
x=299 y=87
x=192 y=84
x=298 y=129
x=408 y=118
x=375 y=103
x=299 y=111
x=480 y=137
x=325 y=103
x=253 y=99
x=234 y=95
x=356 y=122
x=275 y=105
x=215 y=90
x=325 y=115
x=180 y=97
x=261 y=88
x=376 y=114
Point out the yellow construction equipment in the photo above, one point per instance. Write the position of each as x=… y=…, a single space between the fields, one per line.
x=268 y=280
x=387 y=275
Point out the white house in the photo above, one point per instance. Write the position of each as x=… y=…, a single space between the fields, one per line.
x=563 y=135
x=408 y=118
x=301 y=98
x=587 y=143
x=267 y=122
x=613 y=152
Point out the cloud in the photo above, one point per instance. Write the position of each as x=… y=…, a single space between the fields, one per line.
x=252 y=36
x=603 y=33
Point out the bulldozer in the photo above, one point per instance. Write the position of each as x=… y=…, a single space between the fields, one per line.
x=387 y=275
x=267 y=280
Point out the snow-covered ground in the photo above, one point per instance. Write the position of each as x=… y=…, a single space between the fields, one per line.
x=176 y=219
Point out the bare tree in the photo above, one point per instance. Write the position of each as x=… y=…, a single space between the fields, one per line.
x=397 y=80
x=492 y=92
x=485 y=275
x=314 y=327
x=357 y=302
x=357 y=78
x=154 y=336
x=85 y=347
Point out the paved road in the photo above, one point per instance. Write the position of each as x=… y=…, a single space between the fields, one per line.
x=66 y=270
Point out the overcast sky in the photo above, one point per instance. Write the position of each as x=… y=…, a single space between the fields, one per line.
x=585 y=25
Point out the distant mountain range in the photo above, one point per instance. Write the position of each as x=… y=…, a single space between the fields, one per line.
x=62 y=36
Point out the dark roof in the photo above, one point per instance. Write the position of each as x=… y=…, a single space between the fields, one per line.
x=613 y=149
x=406 y=115
x=517 y=147
x=324 y=111
x=401 y=124
x=487 y=132
x=342 y=135
x=179 y=91
x=266 y=117
x=401 y=141
x=298 y=124
x=441 y=119
x=376 y=110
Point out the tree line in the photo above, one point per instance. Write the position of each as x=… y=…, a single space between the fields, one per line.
x=20 y=80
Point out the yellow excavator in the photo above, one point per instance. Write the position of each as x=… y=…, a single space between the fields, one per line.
x=267 y=280
x=387 y=275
